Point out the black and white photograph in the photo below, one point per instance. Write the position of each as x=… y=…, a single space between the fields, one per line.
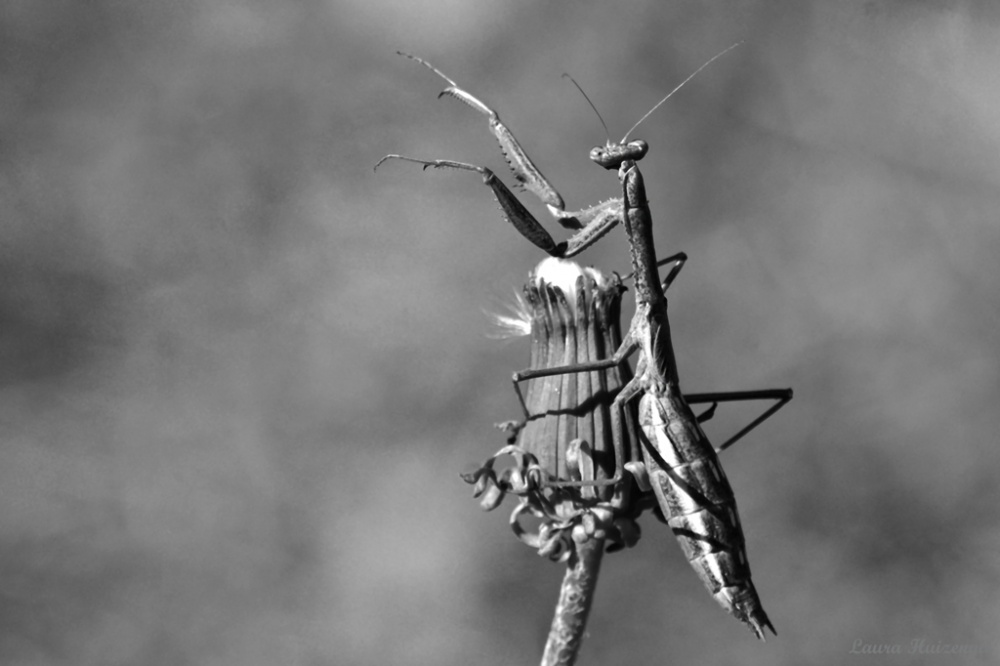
x=386 y=332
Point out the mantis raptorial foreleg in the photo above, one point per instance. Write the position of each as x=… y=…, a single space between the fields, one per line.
x=592 y=223
x=599 y=220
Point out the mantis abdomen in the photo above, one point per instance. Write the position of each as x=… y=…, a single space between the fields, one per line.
x=698 y=503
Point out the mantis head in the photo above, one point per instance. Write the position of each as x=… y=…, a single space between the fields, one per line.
x=611 y=155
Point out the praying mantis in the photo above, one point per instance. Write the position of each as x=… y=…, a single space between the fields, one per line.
x=678 y=463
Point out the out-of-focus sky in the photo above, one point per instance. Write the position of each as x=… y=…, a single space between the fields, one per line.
x=241 y=373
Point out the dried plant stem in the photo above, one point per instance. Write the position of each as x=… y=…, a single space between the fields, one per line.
x=575 y=597
x=572 y=315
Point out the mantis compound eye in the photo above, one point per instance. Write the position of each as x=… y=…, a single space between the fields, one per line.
x=636 y=150
x=611 y=156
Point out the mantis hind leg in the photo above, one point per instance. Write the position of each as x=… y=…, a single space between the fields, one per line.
x=676 y=259
x=780 y=396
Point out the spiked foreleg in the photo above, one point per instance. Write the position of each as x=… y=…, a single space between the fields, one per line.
x=520 y=164
x=593 y=222
x=513 y=211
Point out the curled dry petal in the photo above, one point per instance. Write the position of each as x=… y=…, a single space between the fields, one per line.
x=492 y=498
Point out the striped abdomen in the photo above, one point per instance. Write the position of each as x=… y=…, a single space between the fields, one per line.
x=698 y=502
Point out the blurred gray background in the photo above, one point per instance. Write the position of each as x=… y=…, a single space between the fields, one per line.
x=241 y=372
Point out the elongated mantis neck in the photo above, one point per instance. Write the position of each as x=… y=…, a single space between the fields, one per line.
x=647 y=284
x=639 y=228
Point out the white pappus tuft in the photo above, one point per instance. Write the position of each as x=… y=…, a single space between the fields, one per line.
x=515 y=323
x=559 y=273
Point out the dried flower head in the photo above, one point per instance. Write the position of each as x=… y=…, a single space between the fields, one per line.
x=572 y=315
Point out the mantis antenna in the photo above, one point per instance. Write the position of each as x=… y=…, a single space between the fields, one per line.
x=607 y=134
x=681 y=85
